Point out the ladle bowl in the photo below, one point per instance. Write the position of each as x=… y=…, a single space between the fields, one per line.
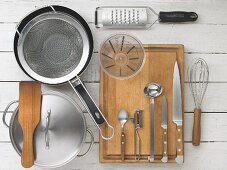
x=153 y=90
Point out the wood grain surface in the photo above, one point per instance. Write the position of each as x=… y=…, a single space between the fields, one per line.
x=196 y=134
x=128 y=94
x=29 y=117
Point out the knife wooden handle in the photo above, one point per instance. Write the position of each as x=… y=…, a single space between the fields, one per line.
x=196 y=127
x=179 y=157
x=165 y=146
x=122 y=146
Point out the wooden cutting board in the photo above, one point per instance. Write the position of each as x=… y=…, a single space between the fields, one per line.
x=128 y=94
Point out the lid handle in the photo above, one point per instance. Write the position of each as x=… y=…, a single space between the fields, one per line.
x=47 y=136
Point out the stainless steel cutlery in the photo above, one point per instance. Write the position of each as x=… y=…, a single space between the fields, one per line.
x=164 y=127
x=137 y=120
x=122 y=117
x=177 y=112
x=152 y=90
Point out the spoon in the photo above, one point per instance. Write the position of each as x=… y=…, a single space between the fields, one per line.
x=122 y=117
x=152 y=90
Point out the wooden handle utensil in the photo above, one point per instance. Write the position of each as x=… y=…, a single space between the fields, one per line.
x=29 y=117
x=198 y=75
x=122 y=146
x=196 y=127
x=165 y=146
x=180 y=156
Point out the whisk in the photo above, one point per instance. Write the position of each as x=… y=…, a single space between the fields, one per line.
x=198 y=74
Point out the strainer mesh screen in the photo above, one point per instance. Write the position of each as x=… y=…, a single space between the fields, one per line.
x=53 y=48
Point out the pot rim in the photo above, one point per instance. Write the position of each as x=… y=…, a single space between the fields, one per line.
x=13 y=117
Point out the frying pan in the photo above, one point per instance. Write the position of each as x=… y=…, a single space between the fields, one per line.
x=54 y=45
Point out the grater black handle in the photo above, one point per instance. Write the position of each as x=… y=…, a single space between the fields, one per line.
x=177 y=16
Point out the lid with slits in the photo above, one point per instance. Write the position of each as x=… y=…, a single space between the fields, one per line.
x=122 y=56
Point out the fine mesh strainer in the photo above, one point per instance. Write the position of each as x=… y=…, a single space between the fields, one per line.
x=122 y=56
x=54 y=45
x=47 y=42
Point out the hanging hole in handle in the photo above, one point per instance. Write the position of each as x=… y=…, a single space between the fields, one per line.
x=193 y=16
x=97 y=115
x=100 y=118
x=6 y=111
x=107 y=138
x=90 y=146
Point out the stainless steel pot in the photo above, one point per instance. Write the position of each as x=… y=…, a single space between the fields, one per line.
x=60 y=135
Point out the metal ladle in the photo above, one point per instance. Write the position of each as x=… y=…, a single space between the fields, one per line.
x=152 y=90
x=122 y=117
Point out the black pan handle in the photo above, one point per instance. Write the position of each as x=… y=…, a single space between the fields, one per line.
x=94 y=110
x=177 y=16
x=90 y=105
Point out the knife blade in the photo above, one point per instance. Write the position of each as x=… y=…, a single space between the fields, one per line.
x=164 y=127
x=177 y=112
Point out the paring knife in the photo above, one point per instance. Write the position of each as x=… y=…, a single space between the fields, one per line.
x=164 y=127
x=177 y=112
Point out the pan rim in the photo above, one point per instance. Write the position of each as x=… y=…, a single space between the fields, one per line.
x=87 y=38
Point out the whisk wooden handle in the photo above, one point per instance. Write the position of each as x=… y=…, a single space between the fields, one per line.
x=196 y=127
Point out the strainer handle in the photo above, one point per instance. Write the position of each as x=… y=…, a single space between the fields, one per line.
x=94 y=110
x=90 y=105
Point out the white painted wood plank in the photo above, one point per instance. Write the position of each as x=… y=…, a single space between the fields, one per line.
x=10 y=71
x=217 y=66
x=214 y=100
x=196 y=37
x=10 y=92
x=216 y=63
x=210 y=12
x=208 y=156
x=7 y=36
x=213 y=127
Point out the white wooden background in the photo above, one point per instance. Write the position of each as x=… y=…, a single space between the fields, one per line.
x=205 y=38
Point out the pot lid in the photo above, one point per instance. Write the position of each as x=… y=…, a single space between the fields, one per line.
x=60 y=134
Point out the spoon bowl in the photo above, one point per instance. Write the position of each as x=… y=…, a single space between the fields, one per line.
x=122 y=117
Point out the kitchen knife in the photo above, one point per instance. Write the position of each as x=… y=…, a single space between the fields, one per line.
x=177 y=113
x=164 y=127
